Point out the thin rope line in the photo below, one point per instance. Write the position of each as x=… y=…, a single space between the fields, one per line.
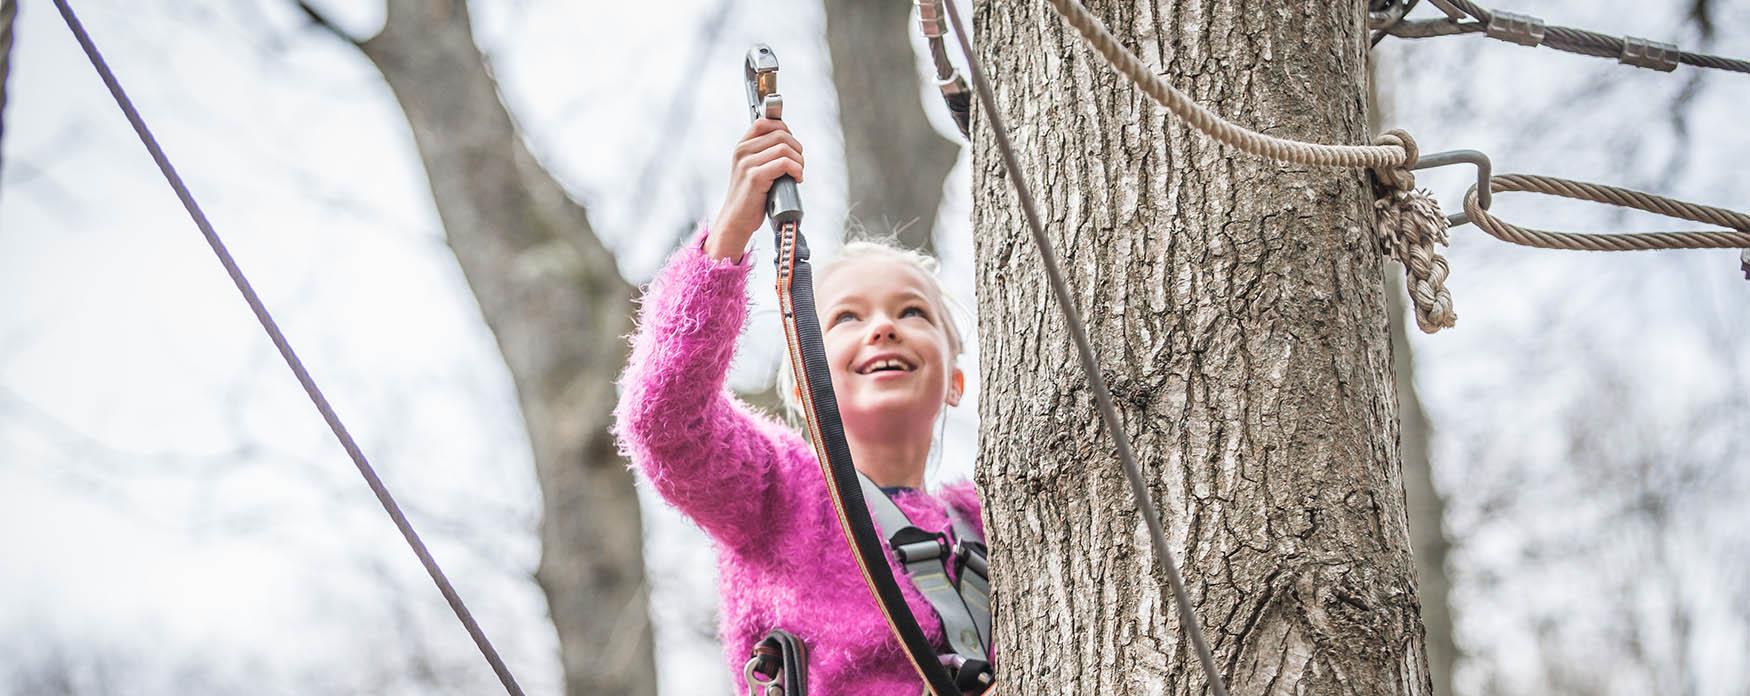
x=1085 y=351
x=1738 y=237
x=285 y=349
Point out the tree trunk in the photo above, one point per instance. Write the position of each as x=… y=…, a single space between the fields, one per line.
x=556 y=304
x=1237 y=308
x=895 y=161
x=1426 y=507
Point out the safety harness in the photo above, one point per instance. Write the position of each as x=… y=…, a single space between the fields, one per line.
x=962 y=602
x=963 y=607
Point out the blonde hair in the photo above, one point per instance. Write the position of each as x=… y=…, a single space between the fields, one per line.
x=877 y=249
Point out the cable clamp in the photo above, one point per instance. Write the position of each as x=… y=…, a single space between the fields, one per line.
x=1647 y=53
x=931 y=19
x=1744 y=259
x=1524 y=30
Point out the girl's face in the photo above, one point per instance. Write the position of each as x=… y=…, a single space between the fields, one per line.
x=891 y=361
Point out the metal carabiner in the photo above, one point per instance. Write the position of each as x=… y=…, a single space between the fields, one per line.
x=784 y=203
x=755 y=685
x=1450 y=157
x=762 y=83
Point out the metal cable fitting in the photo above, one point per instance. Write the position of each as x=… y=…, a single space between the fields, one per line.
x=1647 y=53
x=931 y=19
x=1524 y=30
x=954 y=86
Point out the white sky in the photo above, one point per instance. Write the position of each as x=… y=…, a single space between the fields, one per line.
x=168 y=498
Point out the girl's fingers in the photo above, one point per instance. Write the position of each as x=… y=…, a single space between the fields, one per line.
x=762 y=126
x=771 y=153
x=747 y=164
x=758 y=142
x=770 y=171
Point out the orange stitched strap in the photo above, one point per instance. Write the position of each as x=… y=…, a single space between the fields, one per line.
x=788 y=261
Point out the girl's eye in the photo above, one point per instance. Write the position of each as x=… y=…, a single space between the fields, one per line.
x=914 y=311
x=841 y=318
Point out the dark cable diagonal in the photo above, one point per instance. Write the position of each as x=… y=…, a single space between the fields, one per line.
x=8 y=17
x=1084 y=349
x=285 y=350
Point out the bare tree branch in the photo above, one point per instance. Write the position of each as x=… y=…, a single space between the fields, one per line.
x=321 y=21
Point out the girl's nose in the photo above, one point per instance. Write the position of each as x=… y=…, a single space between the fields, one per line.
x=882 y=330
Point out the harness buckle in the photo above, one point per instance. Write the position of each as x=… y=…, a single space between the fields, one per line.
x=970 y=555
x=973 y=676
x=927 y=549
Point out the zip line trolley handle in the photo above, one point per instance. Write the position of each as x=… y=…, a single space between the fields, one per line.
x=784 y=203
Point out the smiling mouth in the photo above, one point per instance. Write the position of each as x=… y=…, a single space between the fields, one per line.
x=886 y=365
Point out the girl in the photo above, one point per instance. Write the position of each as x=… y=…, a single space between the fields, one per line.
x=753 y=484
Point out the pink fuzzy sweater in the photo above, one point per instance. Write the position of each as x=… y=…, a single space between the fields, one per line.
x=756 y=489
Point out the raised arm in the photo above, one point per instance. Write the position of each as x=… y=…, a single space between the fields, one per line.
x=704 y=451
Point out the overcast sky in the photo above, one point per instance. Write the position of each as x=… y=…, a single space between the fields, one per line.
x=170 y=502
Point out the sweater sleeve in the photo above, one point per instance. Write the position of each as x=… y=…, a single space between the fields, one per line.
x=706 y=453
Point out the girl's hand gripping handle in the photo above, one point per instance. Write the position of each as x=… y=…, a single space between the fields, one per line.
x=763 y=101
x=764 y=169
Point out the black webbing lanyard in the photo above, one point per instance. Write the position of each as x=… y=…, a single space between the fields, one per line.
x=795 y=285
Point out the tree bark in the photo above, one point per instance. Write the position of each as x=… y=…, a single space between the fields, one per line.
x=895 y=161
x=558 y=307
x=1237 y=308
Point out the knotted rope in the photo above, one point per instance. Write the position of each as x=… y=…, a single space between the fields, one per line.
x=1409 y=225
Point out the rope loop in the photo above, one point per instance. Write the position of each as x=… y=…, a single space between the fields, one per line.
x=1738 y=237
x=1398 y=176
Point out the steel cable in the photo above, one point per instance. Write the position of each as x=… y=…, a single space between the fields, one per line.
x=8 y=17
x=1561 y=38
x=285 y=350
x=1085 y=351
x=1738 y=237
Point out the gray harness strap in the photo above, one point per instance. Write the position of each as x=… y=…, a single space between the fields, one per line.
x=965 y=611
x=970 y=552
